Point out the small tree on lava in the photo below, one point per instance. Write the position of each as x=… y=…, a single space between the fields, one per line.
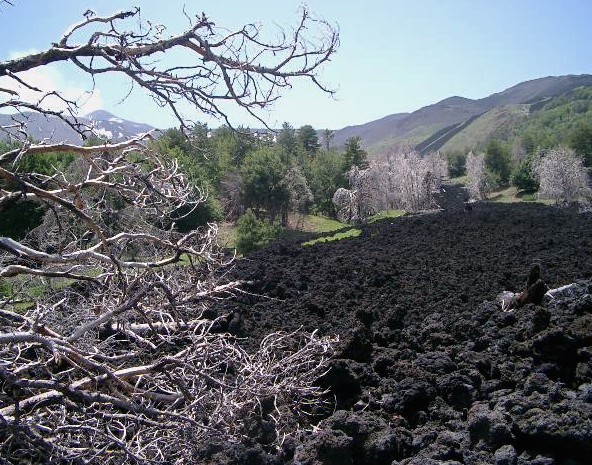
x=402 y=179
x=116 y=363
x=477 y=174
x=562 y=176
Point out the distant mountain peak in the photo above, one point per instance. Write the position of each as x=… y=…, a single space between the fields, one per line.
x=104 y=123
x=99 y=115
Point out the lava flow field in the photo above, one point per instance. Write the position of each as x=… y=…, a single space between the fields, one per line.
x=429 y=369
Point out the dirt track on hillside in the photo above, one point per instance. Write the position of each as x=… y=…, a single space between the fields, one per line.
x=430 y=370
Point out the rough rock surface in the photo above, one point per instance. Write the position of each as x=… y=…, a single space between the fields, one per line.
x=430 y=370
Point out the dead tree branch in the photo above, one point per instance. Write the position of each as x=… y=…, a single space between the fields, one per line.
x=240 y=67
x=106 y=355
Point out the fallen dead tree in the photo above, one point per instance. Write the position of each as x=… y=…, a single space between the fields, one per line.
x=116 y=359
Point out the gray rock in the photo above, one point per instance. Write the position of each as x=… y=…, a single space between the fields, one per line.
x=505 y=455
x=490 y=427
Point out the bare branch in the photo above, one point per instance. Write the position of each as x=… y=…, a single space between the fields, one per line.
x=220 y=66
x=106 y=354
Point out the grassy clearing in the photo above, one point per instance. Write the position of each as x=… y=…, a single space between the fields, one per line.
x=507 y=195
x=308 y=223
x=227 y=235
x=321 y=224
x=386 y=214
x=335 y=237
x=512 y=195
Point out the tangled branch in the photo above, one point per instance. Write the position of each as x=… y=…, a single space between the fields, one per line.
x=108 y=352
x=217 y=67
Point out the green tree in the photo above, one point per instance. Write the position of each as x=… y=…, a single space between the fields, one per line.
x=523 y=178
x=20 y=215
x=301 y=197
x=173 y=145
x=497 y=161
x=263 y=174
x=354 y=154
x=252 y=233
x=580 y=139
x=328 y=136
x=529 y=143
x=288 y=143
x=308 y=140
x=238 y=143
x=326 y=176
x=457 y=163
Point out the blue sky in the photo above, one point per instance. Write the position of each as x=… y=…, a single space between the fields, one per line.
x=395 y=56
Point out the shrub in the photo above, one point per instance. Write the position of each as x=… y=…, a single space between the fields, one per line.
x=457 y=164
x=522 y=177
x=497 y=161
x=252 y=233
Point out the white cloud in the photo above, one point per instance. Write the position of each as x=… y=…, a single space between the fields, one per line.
x=48 y=79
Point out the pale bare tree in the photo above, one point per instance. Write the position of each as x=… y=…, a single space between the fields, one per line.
x=362 y=199
x=562 y=176
x=402 y=179
x=115 y=362
x=476 y=171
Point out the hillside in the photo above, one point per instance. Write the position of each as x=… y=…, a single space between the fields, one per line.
x=454 y=113
x=479 y=129
x=455 y=123
x=372 y=131
x=545 y=123
x=51 y=128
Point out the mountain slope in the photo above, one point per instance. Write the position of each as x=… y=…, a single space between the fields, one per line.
x=453 y=123
x=453 y=114
x=373 y=131
x=53 y=129
x=545 y=123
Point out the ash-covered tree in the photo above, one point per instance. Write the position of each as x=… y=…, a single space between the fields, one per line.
x=401 y=180
x=115 y=361
x=562 y=176
x=479 y=181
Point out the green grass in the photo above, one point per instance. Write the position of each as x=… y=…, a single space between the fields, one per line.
x=512 y=195
x=29 y=289
x=335 y=237
x=321 y=224
x=386 y=214
x=486 y=126
x=227 y=235
x=309 y=223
